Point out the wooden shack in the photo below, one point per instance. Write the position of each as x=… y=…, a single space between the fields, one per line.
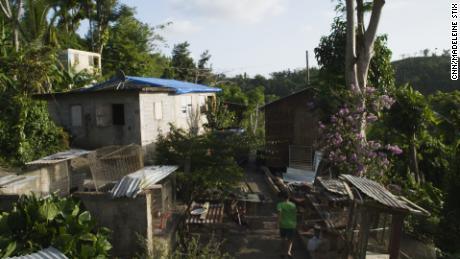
x=359 y=217
x=291 y=130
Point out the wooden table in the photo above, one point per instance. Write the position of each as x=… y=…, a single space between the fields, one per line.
x=213 y=215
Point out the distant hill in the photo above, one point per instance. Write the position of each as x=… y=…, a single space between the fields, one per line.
x=426 y=74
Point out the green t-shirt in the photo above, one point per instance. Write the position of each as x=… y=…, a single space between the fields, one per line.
x=288 y=214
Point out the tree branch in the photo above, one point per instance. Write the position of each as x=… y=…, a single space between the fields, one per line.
x=6 y=10
x=371 y=31
x=350 y=58
x=360 y=15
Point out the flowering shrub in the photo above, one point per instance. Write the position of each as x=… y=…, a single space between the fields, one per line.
x=345 y=146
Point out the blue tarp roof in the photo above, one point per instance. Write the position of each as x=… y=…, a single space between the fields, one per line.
x=179 y=87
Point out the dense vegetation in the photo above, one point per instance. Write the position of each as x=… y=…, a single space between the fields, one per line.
x=37 y=223
x=26 y=131
x=208 y=162
x=426 y=74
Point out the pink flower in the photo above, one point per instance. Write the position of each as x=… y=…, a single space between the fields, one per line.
x=354 y=157
x=370 y=90
x=387 y=101
x=371 y=118
x=355 y=89
x=344 y=111
x=395 y=150
x=338 y=140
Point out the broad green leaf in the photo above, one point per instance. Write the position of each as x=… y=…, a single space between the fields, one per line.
x=10 y=249
x=84 y=217
x=87 y=251
x=75 y=211
x=88 y=237
x=49 y=211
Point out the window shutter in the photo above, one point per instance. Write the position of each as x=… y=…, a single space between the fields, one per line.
x=103 y=115
x=76 y=115
x=158 y=110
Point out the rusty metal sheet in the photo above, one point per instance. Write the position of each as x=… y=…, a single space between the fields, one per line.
x=48 y=253
x=376 y=192
x=132 y=184
x=335 y=186
x=59 y=157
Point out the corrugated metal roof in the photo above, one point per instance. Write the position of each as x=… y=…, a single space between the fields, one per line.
x=335 y=186
x=48 y=253
x=132 y=82
x=11 y=178
x=59 y=157
x=132 y=184
x=375 y=191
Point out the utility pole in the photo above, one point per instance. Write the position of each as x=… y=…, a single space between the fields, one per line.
x=307 y=69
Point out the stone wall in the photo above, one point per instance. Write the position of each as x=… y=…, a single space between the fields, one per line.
x=125 y=217
x=96 y=129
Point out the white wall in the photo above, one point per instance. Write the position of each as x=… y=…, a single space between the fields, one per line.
x=172 y=113
x=83 y=60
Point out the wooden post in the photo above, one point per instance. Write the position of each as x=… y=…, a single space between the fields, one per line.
x=150 y=215
x=395 y=236
x=364 y=233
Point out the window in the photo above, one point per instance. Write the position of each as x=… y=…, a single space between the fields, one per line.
x=211 y=102
x=96 y=61
x=103 y=115
x=118 y=114
x=186 y=105
x=157 y=110
x=93 y=61
x=76 y=115
x=202 y=103
x=76 y=59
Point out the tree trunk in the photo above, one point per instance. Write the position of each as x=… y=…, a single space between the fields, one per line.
x=13 y=19
x=414 y=161
x=350 y=58
x=359 y=51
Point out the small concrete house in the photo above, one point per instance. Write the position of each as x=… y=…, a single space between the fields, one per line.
x=80 y=60
x=129 y=110
x=291 y=131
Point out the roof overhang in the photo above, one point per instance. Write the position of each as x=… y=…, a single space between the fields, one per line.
x=137 y=84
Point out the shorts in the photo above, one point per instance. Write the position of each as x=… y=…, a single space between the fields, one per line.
x=287 y=233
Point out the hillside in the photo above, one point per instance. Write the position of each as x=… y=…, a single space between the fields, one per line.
x=426 y=74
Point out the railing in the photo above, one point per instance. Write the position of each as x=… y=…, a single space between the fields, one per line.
x=301 y=157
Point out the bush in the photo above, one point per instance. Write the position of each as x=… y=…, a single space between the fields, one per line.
x=194 y=248
x=37 y=223
x=27 y=132
x=206 y=161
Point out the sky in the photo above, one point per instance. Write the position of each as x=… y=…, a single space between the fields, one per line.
x=264 y=36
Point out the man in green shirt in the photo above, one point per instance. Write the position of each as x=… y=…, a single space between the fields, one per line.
x=287 y=222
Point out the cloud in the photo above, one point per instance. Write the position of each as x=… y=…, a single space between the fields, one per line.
x=182 y=27
x=250 y=11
